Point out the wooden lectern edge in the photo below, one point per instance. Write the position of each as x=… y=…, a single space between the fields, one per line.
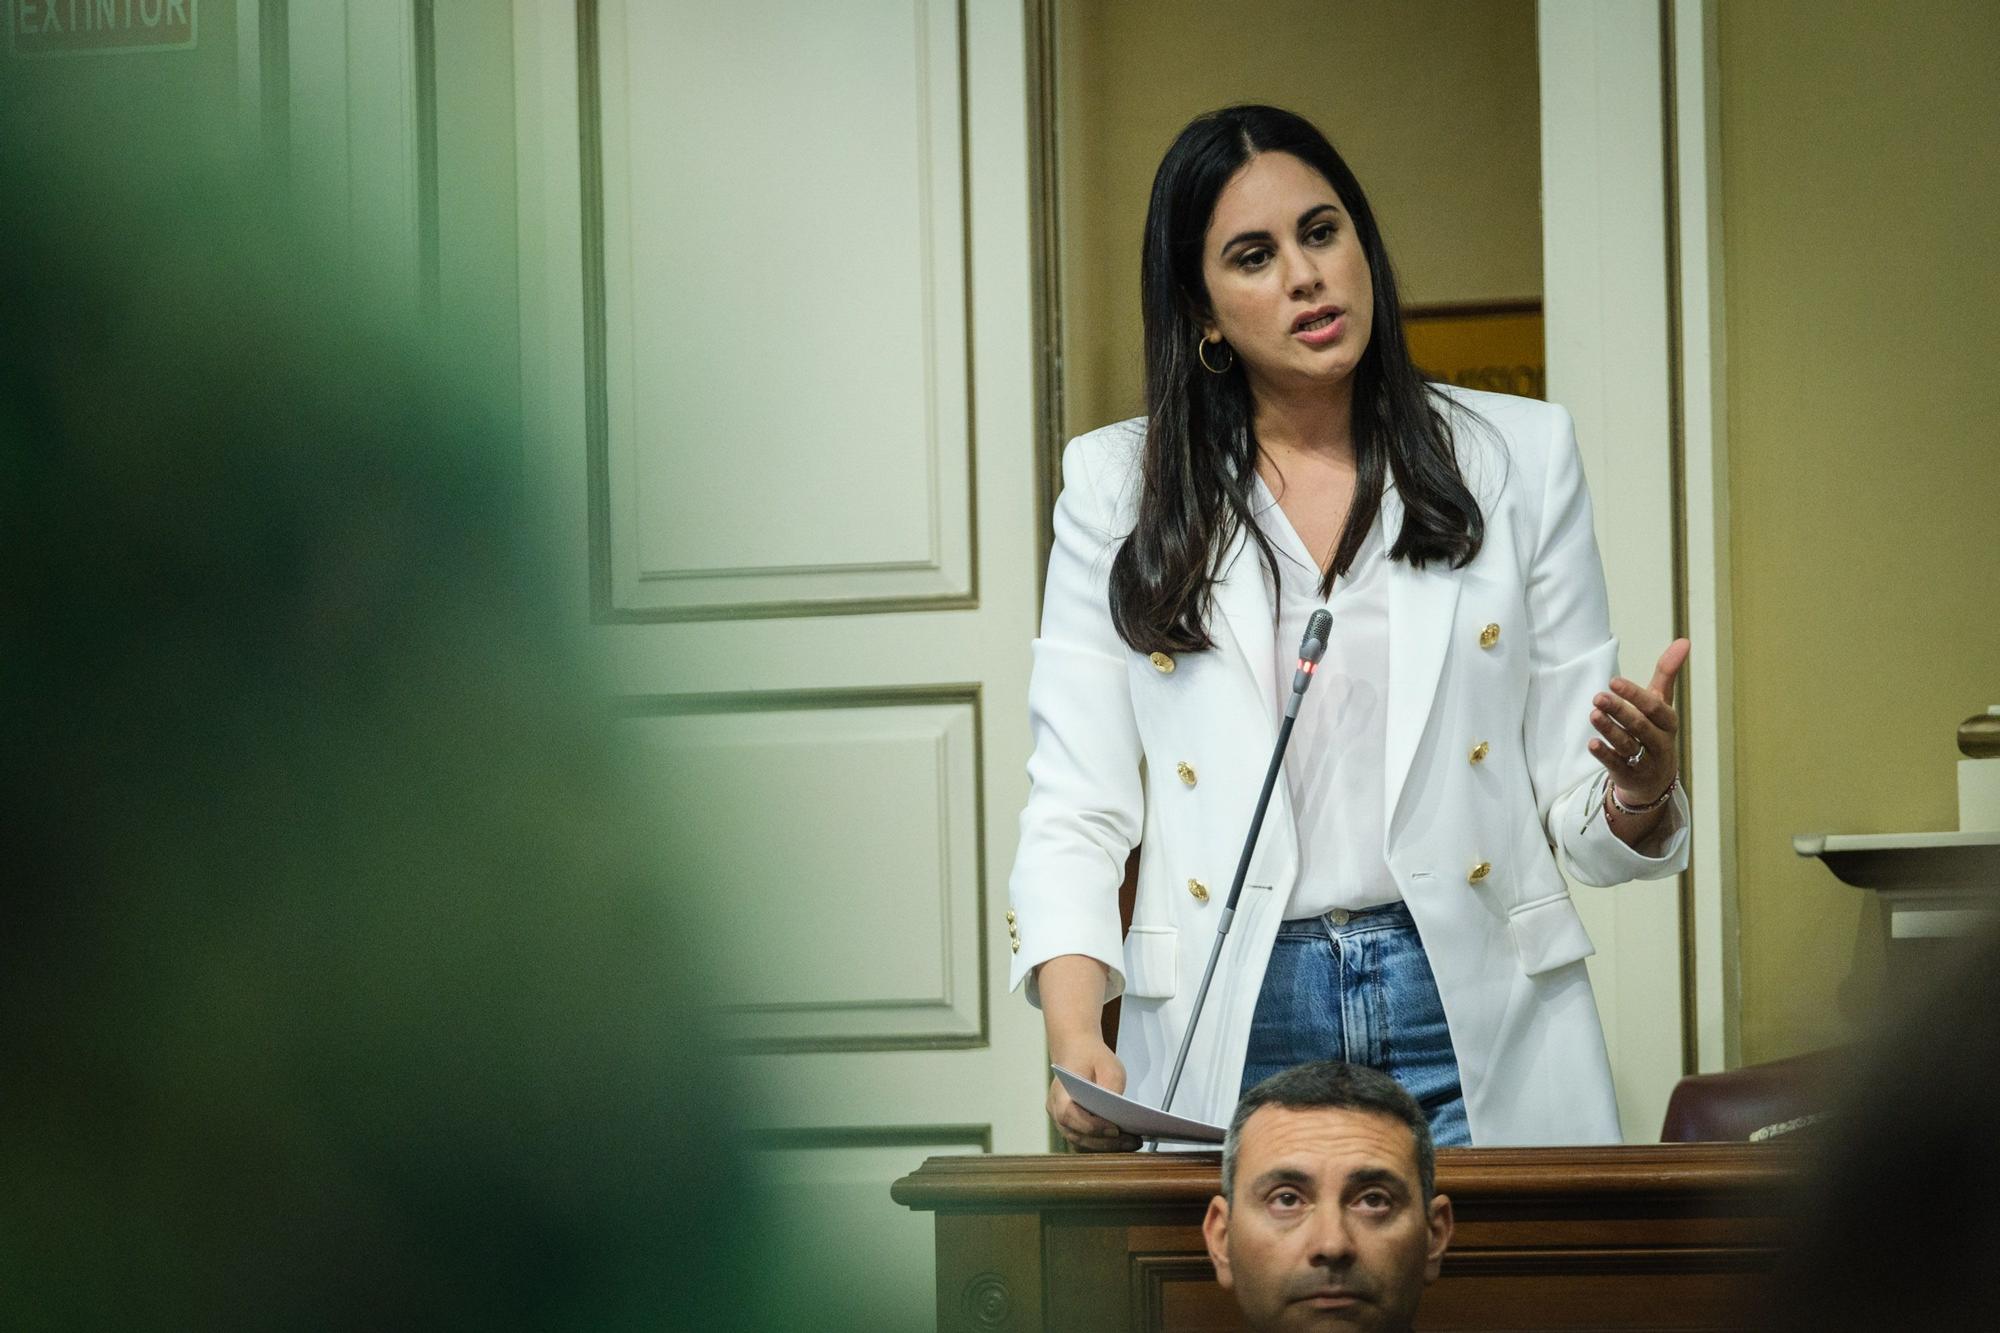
x=1477 y=1177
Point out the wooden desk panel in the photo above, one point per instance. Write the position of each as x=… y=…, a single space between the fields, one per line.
x=1655 y=1237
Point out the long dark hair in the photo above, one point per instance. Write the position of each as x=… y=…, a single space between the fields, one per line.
x=1198 y=470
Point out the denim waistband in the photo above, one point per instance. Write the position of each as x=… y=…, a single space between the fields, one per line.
x=1341 y=921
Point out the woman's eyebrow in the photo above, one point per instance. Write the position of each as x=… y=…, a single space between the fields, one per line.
x=1315 y=211
x=1242 y=236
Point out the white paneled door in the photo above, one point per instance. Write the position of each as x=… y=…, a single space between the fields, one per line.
x=778 y=337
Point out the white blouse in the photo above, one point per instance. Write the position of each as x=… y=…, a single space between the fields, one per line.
x=1333 y=768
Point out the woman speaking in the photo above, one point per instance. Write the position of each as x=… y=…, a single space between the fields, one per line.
x=1403 y=908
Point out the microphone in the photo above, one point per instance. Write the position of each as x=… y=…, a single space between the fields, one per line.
x=1311 y=649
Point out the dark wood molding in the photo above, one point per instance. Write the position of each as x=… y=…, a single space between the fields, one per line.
x=1482 y=1178
x=1045 y=269
x=1529 y=305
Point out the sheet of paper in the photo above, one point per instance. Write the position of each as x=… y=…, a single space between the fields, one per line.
x=1130 y=1116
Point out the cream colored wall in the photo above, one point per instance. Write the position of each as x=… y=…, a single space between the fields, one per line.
x=1432 y=102
x=1859 y=198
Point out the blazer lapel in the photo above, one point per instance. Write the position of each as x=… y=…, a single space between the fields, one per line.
x=1421 y=605
x=1246 y=599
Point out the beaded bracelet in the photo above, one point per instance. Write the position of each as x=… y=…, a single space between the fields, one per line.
x=1611 y=794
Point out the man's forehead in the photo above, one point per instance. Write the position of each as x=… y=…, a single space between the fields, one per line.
x=1324 y=1140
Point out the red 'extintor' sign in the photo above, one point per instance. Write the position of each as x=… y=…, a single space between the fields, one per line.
x=77 y=27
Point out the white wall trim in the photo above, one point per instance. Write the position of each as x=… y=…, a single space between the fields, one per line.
x=549 y=229
x=1705 y=479
x=355 y=143
x=250 y=76
x=1609 y=318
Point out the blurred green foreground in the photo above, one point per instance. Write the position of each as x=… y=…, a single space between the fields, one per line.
x=339 y=984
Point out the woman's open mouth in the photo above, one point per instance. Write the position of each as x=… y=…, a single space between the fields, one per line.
x=1319 y=327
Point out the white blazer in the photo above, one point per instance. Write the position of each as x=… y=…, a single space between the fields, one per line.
x=1506 y=653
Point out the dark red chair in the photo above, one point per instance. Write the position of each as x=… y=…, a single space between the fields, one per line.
x=1756 y=1102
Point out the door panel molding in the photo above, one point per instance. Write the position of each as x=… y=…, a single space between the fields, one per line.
x=641 y=540
x=940 y=1007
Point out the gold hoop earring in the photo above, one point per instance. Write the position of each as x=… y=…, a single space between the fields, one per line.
x=1201 y=355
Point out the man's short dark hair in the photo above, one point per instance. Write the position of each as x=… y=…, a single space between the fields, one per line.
x=1333 y=1085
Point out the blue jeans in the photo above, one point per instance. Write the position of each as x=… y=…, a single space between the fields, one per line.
x=1357 y=987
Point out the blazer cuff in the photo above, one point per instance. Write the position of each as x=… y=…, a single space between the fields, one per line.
x=1594 y=854
x=1053 y=940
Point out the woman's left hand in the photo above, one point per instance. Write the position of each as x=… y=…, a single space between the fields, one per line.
x=1636 y=727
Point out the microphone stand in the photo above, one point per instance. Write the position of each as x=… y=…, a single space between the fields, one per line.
x=1310 y=652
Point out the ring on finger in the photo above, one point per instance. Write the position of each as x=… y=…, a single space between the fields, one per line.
x=1632 y=760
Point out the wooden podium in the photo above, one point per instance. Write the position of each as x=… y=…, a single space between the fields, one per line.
x=1670 y=1236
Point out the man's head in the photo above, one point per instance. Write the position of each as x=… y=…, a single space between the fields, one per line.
x=1327 y=1217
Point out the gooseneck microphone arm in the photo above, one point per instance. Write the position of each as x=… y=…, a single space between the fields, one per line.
x=1311 y=649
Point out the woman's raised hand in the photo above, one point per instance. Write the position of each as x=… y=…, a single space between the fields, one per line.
x=1636 y=727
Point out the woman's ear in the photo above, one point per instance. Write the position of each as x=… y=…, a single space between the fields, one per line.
x=1199 y=315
